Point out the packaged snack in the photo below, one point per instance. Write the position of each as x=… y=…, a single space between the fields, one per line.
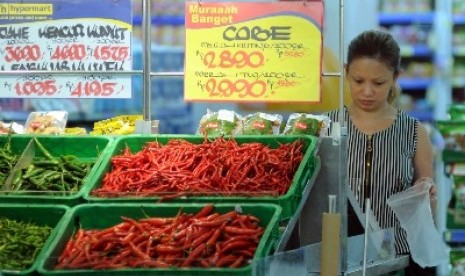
x=75 y=130
x=223 y=122
x=50 y=122
x=453 y=133
x=457 y=112
x=261 y=124
x=459 y=191
x=122 y=124
x=11 y=128
x=303 y=123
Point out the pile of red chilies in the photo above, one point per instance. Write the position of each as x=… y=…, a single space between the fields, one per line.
x=204 y=239
x=219 y=167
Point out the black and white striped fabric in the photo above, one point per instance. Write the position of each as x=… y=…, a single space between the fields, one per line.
x=392 y=168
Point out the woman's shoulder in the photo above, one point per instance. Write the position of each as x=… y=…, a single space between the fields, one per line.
x=405 y=117
x=334 y=114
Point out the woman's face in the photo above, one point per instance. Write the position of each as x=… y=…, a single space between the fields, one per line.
x=369 y=82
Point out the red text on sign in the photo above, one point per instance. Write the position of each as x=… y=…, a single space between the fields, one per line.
x=22 y=53
x=242 y=87
x=93 y=89
x=36 y=88
x=116 y=53
x=239 y=59
x=69 y=52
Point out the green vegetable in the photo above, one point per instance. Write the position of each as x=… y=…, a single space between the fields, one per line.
x=303 y=125
x=7 y=160
x=20 y=243
x=52 y=174
x=257 y=125
x=216 y=126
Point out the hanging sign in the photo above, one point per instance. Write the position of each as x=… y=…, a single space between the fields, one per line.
x=253 y=52
x=50 y=35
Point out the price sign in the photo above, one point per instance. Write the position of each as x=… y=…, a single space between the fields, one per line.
x=49 y=36
x=253 y=52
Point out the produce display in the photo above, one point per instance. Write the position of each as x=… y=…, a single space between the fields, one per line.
x=20 y=243
x=63 y=173
x=221 y=167
x=203 y=239
x=7 y=161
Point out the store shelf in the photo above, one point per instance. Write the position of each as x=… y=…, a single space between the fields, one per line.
x=454 y=236
x=406 y=18
x=458 y=51
x=423 y=116
x=458 y=82
x=458 y=19
x=415 y=83
x=416 y=50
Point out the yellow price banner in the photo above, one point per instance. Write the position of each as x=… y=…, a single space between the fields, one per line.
x=253 y=52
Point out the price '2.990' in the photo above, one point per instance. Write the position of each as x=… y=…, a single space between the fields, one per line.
x=242 y=87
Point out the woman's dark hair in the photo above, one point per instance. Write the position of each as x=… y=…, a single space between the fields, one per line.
x=377 y=45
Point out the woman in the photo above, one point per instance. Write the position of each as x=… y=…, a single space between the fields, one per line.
x=387 y=149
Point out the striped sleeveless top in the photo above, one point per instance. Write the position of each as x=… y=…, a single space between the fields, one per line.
x=381 y=165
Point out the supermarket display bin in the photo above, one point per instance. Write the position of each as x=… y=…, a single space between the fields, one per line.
x=49 y=215
x=103 y=216
x=288 y=201
x=85 y=148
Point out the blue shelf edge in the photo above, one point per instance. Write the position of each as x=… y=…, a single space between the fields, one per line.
x=454 y=236
x=406 y=18
x=171 y=20
x=458 y=19
x=423 y=116
x=416 y=50
x=414 y=83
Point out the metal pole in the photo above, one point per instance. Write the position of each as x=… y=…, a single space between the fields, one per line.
x=146 y=59
x=341 y=65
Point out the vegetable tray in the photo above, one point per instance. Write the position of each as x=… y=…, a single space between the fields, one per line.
x=109 y=216
x=38 y=214
x=89 y=149
x=289 y=200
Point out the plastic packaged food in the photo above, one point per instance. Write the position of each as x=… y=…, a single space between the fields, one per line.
x=50 y=122
x=303 y=123
x=223 y=122
x=119 y=125
x=261 y=124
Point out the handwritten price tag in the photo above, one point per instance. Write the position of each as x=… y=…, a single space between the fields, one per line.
x=263 y=52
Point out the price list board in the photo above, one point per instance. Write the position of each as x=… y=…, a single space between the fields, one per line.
x=48 y=36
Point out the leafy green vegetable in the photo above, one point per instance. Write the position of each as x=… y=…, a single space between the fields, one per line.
x=303 y=125
x=255 y=124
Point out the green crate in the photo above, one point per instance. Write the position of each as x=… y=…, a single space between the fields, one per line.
x=41 y=214
x=289 y=201
x=100 y=216
x=85 y=148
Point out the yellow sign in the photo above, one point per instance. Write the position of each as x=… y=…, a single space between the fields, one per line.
x=253 y=52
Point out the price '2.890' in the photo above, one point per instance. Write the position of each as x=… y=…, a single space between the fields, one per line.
x=239 y=59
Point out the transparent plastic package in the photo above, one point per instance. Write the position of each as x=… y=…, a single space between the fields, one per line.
x=412 y=208
x=50 y=122
x=304 y=123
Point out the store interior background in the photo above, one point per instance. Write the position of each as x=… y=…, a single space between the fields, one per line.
x=431 y=33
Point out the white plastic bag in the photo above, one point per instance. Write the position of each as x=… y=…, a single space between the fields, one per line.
x=412 y=208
